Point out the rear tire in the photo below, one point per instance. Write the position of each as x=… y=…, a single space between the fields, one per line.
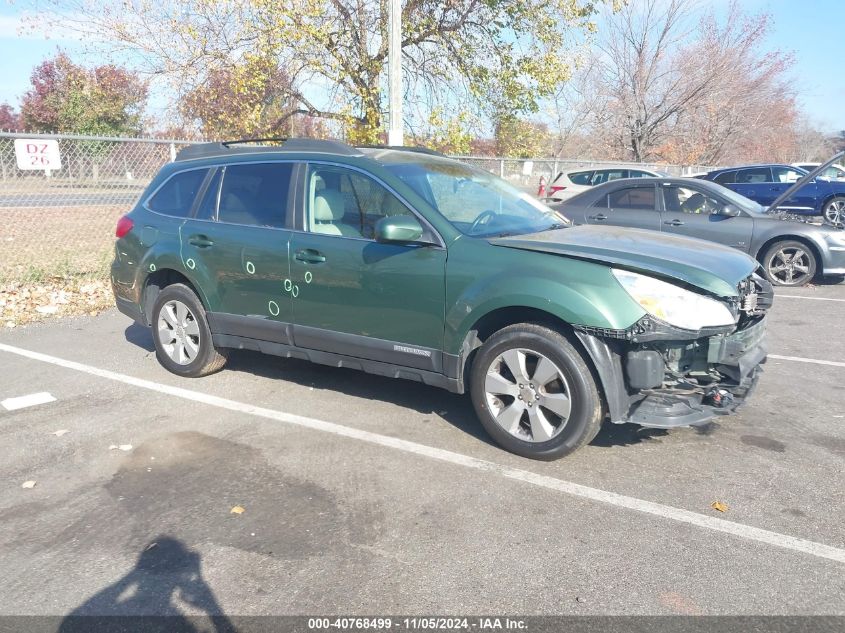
x=834 y=210
x=182 y=336
x=534 y=392
x=789 y=263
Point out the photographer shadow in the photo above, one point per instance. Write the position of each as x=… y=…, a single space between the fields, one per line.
x=147 y=597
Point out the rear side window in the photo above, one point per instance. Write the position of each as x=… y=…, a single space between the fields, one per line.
x=727 y=178
x=632 y=198
x=176 y=196
x=581 y=177
x=255 y=194
x=605 y=175
x=636 y=173
x=754 y=175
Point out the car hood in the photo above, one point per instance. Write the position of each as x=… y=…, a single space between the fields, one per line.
x=711 y=267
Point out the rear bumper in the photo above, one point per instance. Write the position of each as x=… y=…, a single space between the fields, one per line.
x=833 y=262
x=125 y=305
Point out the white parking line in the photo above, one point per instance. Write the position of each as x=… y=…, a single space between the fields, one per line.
x=798 y=359
x=810 y=298
x=22 y=402
x=594 y=494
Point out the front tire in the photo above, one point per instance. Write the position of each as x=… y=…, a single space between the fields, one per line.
x=182 y=336
x=534 y=392
x=789 y=263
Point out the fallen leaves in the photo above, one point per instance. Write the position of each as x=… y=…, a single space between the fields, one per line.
x=22 y=303
x=237 y=510
x=60 y=432
x=29 y=485
x=122 y=447
x=718 y=505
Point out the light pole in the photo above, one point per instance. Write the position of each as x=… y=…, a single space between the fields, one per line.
x=394 y=73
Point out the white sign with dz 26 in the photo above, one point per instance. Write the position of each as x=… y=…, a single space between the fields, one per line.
x=38 y=154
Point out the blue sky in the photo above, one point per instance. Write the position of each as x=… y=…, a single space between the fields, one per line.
x=812 y=30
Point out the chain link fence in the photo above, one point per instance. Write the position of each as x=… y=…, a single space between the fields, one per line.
x=59 y=224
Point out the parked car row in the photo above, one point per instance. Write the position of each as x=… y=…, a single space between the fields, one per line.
x=823 y=195
x=791 y=253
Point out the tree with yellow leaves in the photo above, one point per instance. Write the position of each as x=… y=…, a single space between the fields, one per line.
x=506 y=55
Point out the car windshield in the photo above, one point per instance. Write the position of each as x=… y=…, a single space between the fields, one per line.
x=476 y=202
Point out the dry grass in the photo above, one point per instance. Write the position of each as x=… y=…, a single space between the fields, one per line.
x=39 y=243
x=54 y=261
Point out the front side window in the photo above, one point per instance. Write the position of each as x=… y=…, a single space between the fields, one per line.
x=255 y=194
x=347 y=203
x=177 y=195
x=754 y=175
x=476 y=202
x=632 y=198
x=786 y=174
x=689 y=200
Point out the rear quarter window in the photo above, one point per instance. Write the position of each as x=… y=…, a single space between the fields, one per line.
x=176 y=196
x=581 y=177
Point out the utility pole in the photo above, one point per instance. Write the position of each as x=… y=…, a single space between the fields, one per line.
x=394 y=73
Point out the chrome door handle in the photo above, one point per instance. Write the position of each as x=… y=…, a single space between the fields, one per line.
x=674 y=222
x=600 y=216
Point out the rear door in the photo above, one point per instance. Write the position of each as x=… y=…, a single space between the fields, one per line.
x=693 y=212
x=634 y=206
x=755 y=183
x=802 y=201
x=236 y=246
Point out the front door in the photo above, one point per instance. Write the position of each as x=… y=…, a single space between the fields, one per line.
x=237 y=247
x=353 y=295
x=630 y=206
x=693 y=212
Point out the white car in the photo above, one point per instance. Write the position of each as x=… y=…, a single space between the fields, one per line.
x=568 y=183
x=833 y=172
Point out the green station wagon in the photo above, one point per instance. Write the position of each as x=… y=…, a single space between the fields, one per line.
x=404 y=263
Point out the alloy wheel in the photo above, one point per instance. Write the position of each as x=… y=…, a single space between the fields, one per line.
x=790 y=266
x=528 y=395
x=834 y=212
x=178 y=332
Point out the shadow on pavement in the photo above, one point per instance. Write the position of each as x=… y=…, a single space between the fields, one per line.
x=455 y=409
x=140 y=336
x=166 y=572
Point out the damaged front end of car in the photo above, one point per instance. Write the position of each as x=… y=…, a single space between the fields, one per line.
x=659 y=374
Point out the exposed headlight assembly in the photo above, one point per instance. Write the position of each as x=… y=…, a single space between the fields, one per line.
x=672 y=304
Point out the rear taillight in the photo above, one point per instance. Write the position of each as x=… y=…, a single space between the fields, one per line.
x=554 y=188
x=124 y=225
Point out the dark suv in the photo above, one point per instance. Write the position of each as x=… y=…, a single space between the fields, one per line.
x=407 y=264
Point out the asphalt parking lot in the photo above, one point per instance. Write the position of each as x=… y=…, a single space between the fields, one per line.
x=369 y=495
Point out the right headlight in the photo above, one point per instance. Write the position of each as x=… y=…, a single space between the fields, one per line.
x=673 y=304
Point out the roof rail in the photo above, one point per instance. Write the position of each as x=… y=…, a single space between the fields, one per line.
x=242 y=146
x=405 y=148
